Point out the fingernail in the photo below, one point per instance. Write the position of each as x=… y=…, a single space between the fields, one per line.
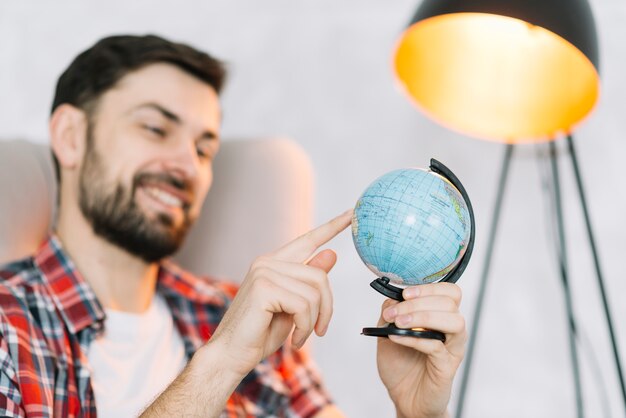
x=390 y=314
x=411 y=292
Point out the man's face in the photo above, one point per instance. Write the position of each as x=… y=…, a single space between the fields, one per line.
x=148 y=162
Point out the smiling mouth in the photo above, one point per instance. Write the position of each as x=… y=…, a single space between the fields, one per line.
x=168 y=192
x=163 y=197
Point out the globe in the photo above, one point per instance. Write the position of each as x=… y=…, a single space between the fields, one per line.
x=411 y=226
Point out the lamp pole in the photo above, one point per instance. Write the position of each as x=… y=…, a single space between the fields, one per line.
x=563 y=271
x=478 y=307
x=596 y=261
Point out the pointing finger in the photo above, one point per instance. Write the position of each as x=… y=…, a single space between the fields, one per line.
x=300 y=249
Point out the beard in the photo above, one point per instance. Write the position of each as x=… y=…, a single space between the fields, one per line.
x=113 y=213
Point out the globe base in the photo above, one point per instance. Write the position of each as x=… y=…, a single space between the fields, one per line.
x=391 y=329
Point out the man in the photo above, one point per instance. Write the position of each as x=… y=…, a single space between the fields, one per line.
x=98 y=321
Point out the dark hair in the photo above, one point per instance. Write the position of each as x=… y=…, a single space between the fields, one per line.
x=99 y=68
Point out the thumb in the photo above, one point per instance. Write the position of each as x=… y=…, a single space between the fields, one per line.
x=324 y=260
x=386 y=304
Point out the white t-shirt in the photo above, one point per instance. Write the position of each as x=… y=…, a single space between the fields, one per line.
x=135 y=359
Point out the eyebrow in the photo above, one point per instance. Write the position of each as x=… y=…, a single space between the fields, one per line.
x=168 y=114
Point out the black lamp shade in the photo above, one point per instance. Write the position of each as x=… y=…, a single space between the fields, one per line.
x=506 y=70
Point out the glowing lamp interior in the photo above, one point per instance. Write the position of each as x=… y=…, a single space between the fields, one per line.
x=496 y=77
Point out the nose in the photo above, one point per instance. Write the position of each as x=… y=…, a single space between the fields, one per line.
x=183 y=160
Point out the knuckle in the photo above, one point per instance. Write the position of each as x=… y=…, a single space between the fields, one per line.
x=465 y=337
x=261 y=273
x=260 y=261
x=461 y=323
x=456 y=293
x=261 y=283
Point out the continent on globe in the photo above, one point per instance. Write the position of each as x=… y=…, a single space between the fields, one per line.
x=411 y=226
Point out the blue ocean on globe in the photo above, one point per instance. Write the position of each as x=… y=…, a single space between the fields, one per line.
x=411 y=226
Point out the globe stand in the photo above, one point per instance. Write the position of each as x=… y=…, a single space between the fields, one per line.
x=382 y=285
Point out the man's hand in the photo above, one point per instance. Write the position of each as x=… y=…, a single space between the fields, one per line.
x=286 y=288
x=418 y=372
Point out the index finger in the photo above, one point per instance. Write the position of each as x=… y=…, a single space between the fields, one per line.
x=301 y=248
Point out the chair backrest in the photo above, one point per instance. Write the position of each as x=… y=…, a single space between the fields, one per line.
x=262 y=197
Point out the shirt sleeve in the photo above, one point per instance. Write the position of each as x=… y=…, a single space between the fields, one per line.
x=10 y=396
x=308 y=396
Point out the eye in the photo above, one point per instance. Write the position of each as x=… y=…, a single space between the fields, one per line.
x=203 y=153
x=155 y=130
x=206 y=149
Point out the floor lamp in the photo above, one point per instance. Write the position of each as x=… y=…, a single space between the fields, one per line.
x=515 y=71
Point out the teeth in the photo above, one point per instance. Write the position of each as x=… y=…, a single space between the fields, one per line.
x=164 y=197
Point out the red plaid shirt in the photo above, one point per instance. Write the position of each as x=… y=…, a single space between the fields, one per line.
x=49 y=315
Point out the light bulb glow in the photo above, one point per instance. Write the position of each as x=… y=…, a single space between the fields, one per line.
x=495 y=77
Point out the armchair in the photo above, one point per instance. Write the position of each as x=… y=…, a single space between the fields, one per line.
x=261 y=198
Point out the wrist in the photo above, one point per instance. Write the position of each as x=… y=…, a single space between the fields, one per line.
x=202 y=389
x=209 y=362
x=445 y=414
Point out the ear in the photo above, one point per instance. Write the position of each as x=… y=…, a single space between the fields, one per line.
x=68 y=132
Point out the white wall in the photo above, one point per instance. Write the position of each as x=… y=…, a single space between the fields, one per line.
x=320 y=72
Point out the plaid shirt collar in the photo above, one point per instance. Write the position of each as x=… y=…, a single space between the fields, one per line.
x=79 y=307
x=74 y=298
